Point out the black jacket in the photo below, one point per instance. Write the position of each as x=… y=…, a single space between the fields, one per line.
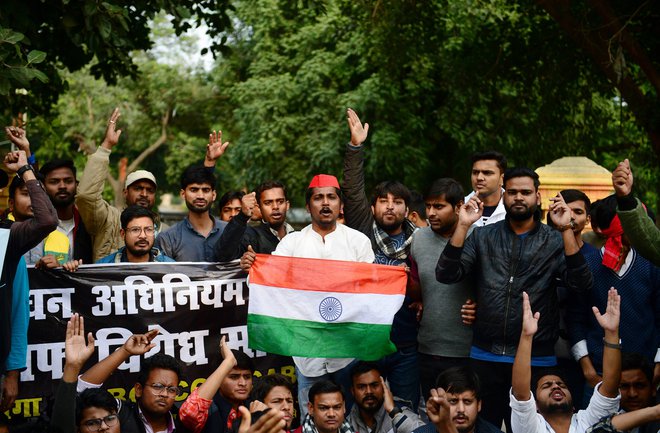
x=237 y=235
x=129 y=418
x=504 y=265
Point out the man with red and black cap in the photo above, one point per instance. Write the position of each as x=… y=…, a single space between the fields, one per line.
x=322 y=239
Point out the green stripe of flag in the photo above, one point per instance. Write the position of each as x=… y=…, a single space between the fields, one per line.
x=319 y=340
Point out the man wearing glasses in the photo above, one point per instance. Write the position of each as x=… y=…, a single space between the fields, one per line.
x=138 y=232
x=156 y=388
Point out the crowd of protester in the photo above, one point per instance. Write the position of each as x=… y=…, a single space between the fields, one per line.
x=507 y=323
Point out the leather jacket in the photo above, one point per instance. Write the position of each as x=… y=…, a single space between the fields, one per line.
x=504 y=265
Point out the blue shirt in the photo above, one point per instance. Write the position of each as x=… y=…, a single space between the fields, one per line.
x=185 y=244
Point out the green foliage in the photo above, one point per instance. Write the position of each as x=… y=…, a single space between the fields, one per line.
x=74 y=33
x=436 y=80
x=81 y=114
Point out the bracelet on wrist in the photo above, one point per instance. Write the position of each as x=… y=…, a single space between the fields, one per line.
x=616 y=346
x=21 y=171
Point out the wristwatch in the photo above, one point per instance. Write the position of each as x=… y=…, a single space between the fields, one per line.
x=21 y=171
x=570 y=225
x=394 y=412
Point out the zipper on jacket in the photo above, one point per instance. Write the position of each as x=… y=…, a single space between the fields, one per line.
x=515 y=257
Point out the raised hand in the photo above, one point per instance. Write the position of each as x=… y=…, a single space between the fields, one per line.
x=622 y=179
x=530 y=320
x=76 y=351
x=610 y=320
x=560 y=213
x=15 y=160
x=438 y=409
x=17 y=136
x=388 y=398
x=139 y=344
x=215 y=148
x=226 y=353
x=470 y=212
x=248 y=202
x=272 y=421
x=358 y=132
x=247 y=259
x=111 y=132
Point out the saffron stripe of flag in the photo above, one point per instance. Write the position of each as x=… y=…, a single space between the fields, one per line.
x=323 y=308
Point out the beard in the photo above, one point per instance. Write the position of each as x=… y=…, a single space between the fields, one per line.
x=62 y=202
x=389 y=227
x=521 y=215
x=192 y=207
x=564 y=407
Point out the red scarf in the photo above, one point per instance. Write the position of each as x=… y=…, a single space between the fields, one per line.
x=613 y=245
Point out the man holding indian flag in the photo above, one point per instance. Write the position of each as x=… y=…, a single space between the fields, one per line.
x=324 y=312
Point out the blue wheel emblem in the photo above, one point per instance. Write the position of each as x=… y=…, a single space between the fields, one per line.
x=330 y=309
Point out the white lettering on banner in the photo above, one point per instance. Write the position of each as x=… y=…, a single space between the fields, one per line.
x=187 y=346
x=49 y=358
x=190 y=343
x=57 y=300
x=237 y=339
x=176 y=290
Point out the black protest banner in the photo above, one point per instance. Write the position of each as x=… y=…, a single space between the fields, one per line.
x=191 y=304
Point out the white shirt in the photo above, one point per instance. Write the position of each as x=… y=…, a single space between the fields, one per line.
x=525 y=418
x=497 y=215
x=344 y=243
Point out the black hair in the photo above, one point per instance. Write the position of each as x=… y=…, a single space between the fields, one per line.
x=197 y=174
x=135 y=211
x=571 y=195
x=94 y=397
x=228 y=197
x=55 y=164
x=17 y=182
x=417 y=204
x=635 y=361
x=451 y=190
x=310 y=192
x=324 y=387
x=522 y=172
x=604 y=211
x=269 y=184
x=363 y=367
x=538 y=374
x=264 y=384
x=243 y=362
x=397 y=189
x=457 y=380
x=159 y=360
x=490 y=155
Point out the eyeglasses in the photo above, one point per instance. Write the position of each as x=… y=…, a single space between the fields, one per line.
x=135 y=231
x=95 y=424
x=158 y=388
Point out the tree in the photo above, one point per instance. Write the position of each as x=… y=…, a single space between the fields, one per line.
x=165 y=107
x=74 y=34
x=436 y=80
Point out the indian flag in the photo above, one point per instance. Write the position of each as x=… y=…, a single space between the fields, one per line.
x=323 y=308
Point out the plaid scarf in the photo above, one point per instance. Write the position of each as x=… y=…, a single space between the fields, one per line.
x=309 y=427
x=386 y=245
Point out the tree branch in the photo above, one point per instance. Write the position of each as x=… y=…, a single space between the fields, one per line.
x=165 y=120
